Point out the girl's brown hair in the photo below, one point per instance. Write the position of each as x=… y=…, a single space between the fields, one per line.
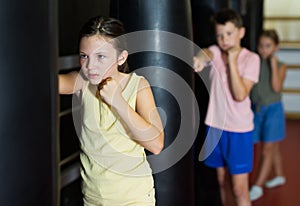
x=110 y=28
x=272 y=34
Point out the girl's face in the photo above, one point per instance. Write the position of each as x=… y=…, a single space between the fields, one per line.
x=266 y=47
x=229 y=36
x=98 y=58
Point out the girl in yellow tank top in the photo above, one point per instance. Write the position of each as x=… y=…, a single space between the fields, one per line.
x=119 y=119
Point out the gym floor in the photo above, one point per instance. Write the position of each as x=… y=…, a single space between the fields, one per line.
x=288 y=194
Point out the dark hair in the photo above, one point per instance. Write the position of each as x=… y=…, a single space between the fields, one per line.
x=228 y=15
x=110 y=28
x=272 y=34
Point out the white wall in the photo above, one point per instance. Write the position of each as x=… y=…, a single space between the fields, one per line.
x=282 y=8
x=288 y=30
x=291 y=101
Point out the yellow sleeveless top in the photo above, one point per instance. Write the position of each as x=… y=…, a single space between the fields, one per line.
x=114 y=167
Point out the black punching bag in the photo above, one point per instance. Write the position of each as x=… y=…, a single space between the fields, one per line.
x=160 y=33
x=206 y=184
x=252 y=14
x=28 y=106
x=203 y=28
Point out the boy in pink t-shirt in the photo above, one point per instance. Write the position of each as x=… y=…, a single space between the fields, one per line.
x=229 y=120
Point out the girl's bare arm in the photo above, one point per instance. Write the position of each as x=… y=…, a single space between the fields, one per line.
x=69 y=83
x=144 y=124
x=278 y=74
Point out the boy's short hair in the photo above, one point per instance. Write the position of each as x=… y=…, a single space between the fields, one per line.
x=228 y=15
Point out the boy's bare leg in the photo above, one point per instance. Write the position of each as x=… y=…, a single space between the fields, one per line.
x=240 y=189
x=221 y=172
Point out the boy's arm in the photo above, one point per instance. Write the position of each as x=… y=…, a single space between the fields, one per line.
x=239 y=87
x=201 y=59
x=278 y=74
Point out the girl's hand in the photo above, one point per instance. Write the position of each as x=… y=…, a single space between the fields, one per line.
x=273 y=61
x=110 y=92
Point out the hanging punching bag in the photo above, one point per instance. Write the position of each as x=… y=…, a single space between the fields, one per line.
x=160 y=49
x=28 y=106
x=206 y=184
x=203 y=11
x=252 y=14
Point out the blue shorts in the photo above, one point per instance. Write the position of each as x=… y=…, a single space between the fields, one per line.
x=234 y=150
x=269 y=123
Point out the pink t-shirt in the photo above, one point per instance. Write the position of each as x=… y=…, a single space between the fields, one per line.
x=223 y=111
